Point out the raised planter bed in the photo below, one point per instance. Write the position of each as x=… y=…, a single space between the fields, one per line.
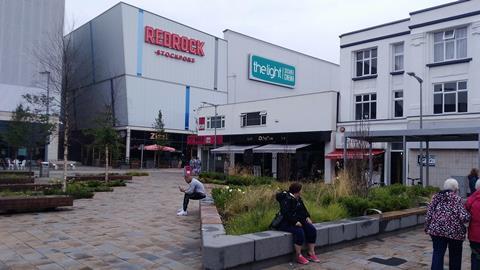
x=22 y=173
x=98 y=177
x=263 y=249
x=33 y=203
x=29 y=186
x=14 y=181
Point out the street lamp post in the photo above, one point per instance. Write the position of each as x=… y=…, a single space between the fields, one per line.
x=47 y=111
x=215 y=134
x=420 y=81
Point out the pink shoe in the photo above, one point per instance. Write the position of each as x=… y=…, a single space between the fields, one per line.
x=313 y=258
x=301 y=260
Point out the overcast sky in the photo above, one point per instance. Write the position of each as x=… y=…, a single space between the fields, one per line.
x=307 y=26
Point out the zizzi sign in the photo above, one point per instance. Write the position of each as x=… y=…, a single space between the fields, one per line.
x=174 y=41
x=269 y=71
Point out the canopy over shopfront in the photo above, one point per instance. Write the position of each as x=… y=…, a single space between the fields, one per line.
x=279 y=148
x=156 y=147
x=233 y=149
x=352 y=153
x=413 y=135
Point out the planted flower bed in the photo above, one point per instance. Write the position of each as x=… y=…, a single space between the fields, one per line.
x=250 y=209
x=98 y=177
x=29 y=186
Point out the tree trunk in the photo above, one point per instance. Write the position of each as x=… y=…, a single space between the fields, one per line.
x=65 y=155
x=106 y=163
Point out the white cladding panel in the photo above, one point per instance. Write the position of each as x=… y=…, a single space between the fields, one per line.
x=199 y=74
x=91 y=102
x=26 y=30
x=309 y=112
x=145 y=97
x=312 y=74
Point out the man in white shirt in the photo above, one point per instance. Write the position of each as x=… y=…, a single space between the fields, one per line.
x=195 y=191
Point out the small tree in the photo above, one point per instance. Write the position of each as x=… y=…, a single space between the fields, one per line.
x=160 y=135
x=105 y=135
x=28 y=129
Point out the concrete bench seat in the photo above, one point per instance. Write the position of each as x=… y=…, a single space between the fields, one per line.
x=263 y=249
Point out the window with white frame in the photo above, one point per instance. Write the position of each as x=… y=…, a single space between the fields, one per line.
x=450 y=44
x=397 y=57
x=253 y=119
x=398 y=103
x=366 y=106
x=366 y=62
x=450 y=97
x=216 y=122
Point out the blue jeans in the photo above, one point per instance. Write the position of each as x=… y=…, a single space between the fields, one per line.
x=300 y=234
x=475 y=257
x=440 y=245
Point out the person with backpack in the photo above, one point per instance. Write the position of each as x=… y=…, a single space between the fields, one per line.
x=473 y=207
x=295 y=219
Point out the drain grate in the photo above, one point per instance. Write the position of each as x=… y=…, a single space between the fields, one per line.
x=394 y=261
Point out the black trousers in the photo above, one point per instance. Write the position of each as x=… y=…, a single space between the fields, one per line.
x=192 y=196
x=440 y=245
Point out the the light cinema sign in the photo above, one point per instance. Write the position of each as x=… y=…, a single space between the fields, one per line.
x=174 y=41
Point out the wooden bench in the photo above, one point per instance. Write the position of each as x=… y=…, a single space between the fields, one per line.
x=33 y=203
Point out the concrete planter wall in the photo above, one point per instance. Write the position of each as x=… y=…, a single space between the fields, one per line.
x=254 y=251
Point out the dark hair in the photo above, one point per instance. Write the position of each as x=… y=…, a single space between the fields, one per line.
x=474 y=172
x=295 y=188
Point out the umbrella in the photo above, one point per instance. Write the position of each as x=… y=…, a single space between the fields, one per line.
x=156 y=147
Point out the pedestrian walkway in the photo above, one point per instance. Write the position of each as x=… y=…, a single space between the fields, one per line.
x=134 y=227
x=414 y=247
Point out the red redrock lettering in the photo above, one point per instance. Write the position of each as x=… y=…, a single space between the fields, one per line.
x=184 y=44
x=176 y=42
x=167 y=39
x=200 y=48
x=192 y=46
x=158 y=37
x=149 y=35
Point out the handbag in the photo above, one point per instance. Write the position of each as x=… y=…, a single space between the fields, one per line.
x=276 y=220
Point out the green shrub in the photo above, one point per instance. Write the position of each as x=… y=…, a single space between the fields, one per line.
x=221 y=196
x=8 y=193
x=355 y=205
x=256 y=220
x=79 y=191
x=212 y=175
x=117 y=183
x=329 y=212
x=135 y=173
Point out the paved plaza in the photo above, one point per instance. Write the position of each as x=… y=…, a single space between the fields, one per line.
x=414 y=246
x=134 y=227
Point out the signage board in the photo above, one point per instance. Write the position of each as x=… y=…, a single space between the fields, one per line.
x=270 y=71
x=431 y=160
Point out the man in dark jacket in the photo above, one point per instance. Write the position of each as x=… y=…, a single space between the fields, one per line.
x=296 y=220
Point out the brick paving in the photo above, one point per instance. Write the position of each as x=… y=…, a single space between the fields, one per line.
x=134 y=227
x=414 y=246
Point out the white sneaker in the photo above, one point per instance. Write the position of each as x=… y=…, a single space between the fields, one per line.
x=180 y=210
x=182 y=213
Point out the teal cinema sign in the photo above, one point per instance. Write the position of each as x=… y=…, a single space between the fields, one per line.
x=269 y=71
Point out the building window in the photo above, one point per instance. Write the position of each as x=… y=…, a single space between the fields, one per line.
x=450 y=44
x=398 y=103
x=366 y=106
x=216 y=122
x=253 y=119
x=398 y=57
x=366 y=62
x=450 y=97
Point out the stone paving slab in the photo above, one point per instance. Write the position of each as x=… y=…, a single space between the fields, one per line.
x=134 y=227
x=414 y=246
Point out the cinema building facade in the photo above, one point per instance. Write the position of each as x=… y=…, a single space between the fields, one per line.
x=139 y=63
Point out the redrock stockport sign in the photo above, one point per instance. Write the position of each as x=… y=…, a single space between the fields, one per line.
x=173 y=41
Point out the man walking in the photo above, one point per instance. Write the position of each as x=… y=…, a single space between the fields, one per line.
x=195 y=191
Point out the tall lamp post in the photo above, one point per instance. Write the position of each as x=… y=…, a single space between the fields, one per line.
x=420 y=81
x=215 y=133
x=47 y=111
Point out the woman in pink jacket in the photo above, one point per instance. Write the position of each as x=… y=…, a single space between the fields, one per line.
x=473 y=207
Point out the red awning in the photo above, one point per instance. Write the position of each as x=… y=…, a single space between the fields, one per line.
x=156 y=147
x=352 y=153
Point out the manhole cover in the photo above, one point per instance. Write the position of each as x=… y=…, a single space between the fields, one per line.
x=394 y=261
